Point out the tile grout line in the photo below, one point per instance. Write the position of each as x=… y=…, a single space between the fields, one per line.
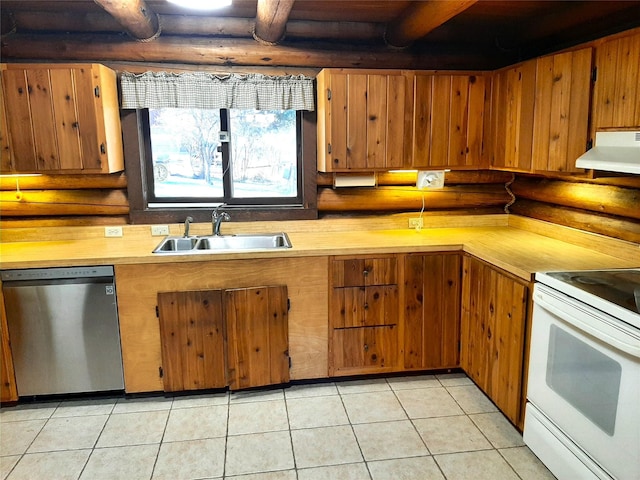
x=366 y=464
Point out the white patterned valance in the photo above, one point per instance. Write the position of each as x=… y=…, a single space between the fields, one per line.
x=206 y=90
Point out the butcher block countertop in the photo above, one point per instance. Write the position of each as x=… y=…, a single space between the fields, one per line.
x=517 y=245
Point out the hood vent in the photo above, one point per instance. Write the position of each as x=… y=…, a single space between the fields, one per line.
x=613 y=152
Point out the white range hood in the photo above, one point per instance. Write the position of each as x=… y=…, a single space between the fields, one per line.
x=613 y=152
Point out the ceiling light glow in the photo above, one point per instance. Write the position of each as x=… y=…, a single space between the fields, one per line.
x=201 y=4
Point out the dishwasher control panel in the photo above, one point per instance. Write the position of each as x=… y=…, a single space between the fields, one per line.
x=56 y=273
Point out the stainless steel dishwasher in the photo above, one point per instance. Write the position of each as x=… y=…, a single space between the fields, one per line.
x=63 y=328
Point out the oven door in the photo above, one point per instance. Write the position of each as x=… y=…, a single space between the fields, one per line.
x=584 y=377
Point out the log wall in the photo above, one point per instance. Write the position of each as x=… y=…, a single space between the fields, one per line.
x=608 y=206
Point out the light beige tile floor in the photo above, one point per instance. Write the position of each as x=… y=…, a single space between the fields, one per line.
x=431 y=427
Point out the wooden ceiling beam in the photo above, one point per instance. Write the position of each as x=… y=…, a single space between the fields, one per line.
x=135 y=16
x=271 y=20
x=75 y=22
x=229 y=52
x=422 y=17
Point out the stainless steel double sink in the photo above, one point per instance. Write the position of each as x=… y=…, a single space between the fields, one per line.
x=222 y=243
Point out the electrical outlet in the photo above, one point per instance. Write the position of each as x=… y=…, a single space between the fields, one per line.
x=112 y=231
x=159 y=230
x=415 y=223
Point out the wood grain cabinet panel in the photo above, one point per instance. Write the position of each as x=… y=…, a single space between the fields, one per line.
x=512 y=110
x=448 y=121
x=60 y=119
x=8 y=387
x=432 y=311
x=616 y=95
x=561 y=115
x=257 y=336
x=192 y=337
x=364 y=120
x=493 y=325
x=364 y=315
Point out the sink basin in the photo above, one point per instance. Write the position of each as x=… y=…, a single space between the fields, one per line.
x=176 y=244
x=244 y=242
x=223 y=243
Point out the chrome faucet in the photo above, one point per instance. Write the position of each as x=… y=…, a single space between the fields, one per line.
x=187 y=221
x=218 y=218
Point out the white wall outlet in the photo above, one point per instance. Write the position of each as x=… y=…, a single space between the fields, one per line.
x=415 y=223
x=159 y=230
x=112 y=231
x=430 y=179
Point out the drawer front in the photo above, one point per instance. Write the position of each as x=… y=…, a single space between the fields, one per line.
x=372 y=347
x=362 y=272
x=365 y=306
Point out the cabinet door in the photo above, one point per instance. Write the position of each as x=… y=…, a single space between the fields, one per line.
x=432 y=311
x=561 y=117
x=512 y=109
x=364 y=120
x=364 y=350
x=257 y=336
x=365 y=306
x=192 y=336
x=8 y=388
x=616 y=96
x=61 y=119
x=448 y=120
x=492 y=334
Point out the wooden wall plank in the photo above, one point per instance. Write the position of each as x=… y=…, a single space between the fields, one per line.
x=64 y=202
x=440 y=112
x=396 y=134
x=376 y=121
x=476 y=117
x=458 y=120
x=356 y=121
x=44 y=128
x=423 y=91
x=22 y=142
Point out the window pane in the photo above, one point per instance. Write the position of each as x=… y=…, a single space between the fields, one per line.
x=263 y=153
x=184 y=147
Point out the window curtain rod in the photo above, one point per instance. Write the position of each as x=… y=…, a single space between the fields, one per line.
x=206 y=90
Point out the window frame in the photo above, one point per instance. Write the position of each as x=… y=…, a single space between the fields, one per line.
x=138 y=165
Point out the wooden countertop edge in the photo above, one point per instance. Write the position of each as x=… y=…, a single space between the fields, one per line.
x=514 y=250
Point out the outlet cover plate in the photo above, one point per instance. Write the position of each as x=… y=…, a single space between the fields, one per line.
x=159 y=230
x=415 y=222
x=112 y=231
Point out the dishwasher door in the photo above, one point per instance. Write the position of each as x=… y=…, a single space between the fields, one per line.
x=64 y=335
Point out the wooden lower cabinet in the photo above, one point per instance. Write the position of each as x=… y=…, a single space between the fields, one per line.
x=257 y=336
x=192 y=334
x=195 y=327
x=138 y=286
x=364 y=315
x=365 y=349
x=493 y=326
x=432 y=311
x=8 y=388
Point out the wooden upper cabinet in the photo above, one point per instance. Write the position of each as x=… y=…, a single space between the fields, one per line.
x=364 y=120
x=540 y=113
x=60 y=119
x=616 y=95
x=448 y=120
x=561 y=114
x=512 y=109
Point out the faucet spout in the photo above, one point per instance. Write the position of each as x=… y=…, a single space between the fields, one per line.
x=187 y=222
x=218 y=218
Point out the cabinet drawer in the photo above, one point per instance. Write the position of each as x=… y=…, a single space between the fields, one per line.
x=373 y=347
x=362 y=272
x=365 y=306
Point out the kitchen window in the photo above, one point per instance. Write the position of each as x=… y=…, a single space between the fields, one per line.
x=194 y=154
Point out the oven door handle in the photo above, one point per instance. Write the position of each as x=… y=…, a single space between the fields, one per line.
x=600 y=328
